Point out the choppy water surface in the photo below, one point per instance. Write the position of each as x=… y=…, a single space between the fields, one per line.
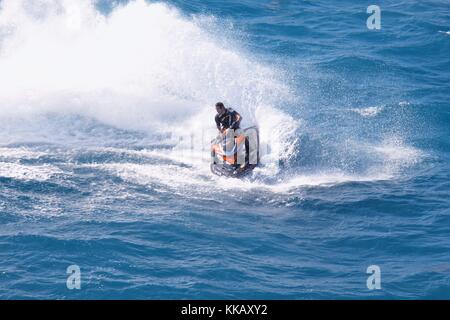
x=106 y=112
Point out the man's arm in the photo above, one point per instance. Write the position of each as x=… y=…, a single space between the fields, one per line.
x=236 y=120
x=218 y=123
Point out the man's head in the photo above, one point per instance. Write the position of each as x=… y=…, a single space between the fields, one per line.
x=220 y=108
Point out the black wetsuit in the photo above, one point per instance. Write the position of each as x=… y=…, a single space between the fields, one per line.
x=229 y=119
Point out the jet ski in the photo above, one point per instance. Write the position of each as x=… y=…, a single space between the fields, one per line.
x=235 y=154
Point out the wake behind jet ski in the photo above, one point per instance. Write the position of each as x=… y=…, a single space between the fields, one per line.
x=235 y=152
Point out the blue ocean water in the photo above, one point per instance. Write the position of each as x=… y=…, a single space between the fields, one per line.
x=106 y=111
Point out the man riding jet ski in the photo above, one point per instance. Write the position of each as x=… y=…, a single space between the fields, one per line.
x=234 y=152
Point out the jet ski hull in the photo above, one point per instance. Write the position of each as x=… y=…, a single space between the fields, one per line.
x=230 y=171
x=227 y=163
